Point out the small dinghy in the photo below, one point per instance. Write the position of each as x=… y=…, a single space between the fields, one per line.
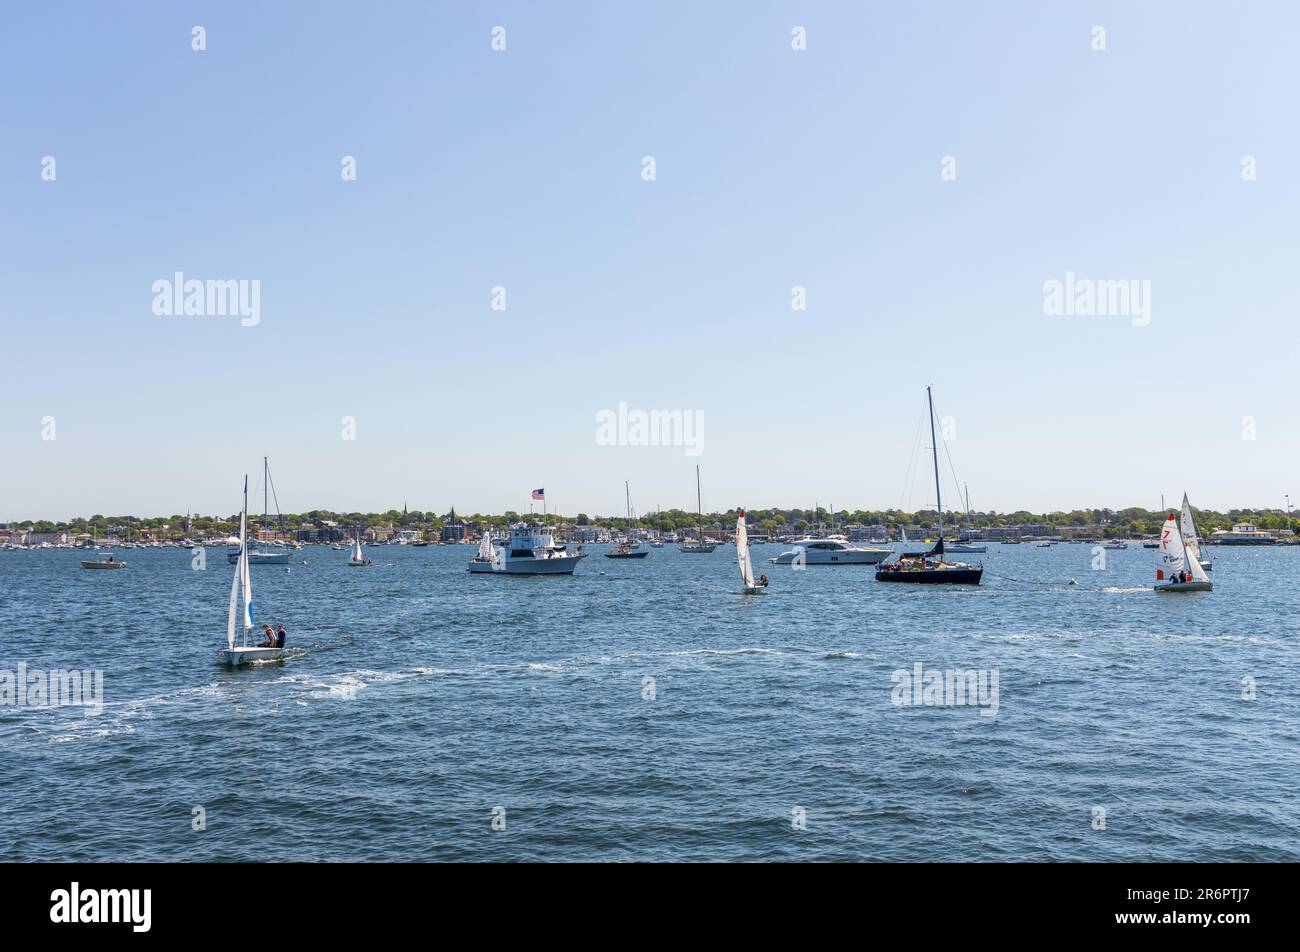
x=241 y=605
x=752 y=587
x=1176 y=570
x=105 y=561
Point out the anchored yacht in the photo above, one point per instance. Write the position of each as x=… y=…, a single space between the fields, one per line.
x=832 y=551
x=530 y=551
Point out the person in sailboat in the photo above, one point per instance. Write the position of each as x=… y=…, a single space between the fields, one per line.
x=280 y=635
x=762 y=580
x=270 y=636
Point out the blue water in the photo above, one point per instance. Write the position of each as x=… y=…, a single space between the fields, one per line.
x=422 y=698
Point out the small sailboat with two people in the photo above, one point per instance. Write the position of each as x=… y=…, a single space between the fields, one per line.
x=752 y=586
x=1176 y=569
x=358 y=559
x=239 y=622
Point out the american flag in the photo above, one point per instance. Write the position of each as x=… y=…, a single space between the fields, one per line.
x=539 y=493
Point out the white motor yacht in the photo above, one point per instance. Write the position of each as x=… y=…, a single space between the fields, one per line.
x=530 y=551
x=832 y=551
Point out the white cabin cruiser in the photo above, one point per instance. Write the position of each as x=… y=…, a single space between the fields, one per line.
x=832 y=551
x=530 y=551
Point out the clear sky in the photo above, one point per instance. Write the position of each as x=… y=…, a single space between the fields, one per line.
x=523 y=168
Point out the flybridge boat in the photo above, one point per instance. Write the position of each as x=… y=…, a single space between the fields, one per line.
x=1176 y=569
x=930 y=567
x=531 y=550
x=831 y=551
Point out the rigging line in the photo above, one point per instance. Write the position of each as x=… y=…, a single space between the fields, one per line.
x=908 y=479
x=278 y=515
x=953 y=469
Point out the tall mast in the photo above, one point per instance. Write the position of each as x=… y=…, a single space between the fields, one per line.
x=935 y=447
x=627 y=493
x=699 y=502
x=266 y=503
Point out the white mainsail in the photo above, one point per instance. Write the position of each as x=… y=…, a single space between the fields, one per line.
x=241 y=581
x=485 y=550
x=742 y=552
x=1190 y=539
x=356 y=548
x=1175 y=557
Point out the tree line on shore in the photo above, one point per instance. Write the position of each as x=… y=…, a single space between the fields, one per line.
x=1105 y=522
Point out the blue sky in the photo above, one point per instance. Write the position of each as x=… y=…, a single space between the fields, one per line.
x=522 y=169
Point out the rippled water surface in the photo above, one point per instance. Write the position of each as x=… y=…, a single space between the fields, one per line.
x=422 y=698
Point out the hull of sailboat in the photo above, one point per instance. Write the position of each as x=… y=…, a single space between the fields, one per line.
x=626 y=555
x=353 y=563
x=1185 y=587
x=103 y=565
x=964 y=549
x=700 y=549
x=932 y=576
x=237 y=656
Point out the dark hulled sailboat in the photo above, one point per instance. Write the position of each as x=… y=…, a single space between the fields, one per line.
x=929 y=568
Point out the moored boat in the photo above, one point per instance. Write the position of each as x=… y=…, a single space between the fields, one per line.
x=930 y=567
x=699 y=545
x=106 y=560
x=531 y=550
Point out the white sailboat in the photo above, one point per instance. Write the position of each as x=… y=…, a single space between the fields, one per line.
x=1175 y=559
x=487 y=553
x=262 y=556
x=1191 y=541
x=699 y=545
x=358 y=560
x=752 y=587
x=241 y=604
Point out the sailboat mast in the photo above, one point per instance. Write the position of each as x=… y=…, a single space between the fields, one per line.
x=934 y=445
x=266 y=502
x=699 y=503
